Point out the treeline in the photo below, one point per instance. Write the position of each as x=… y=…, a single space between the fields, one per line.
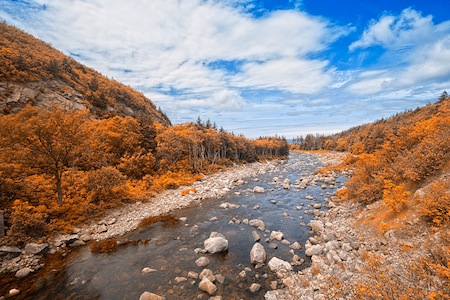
x=368 y=138
x=24 y=58
x=59 y=168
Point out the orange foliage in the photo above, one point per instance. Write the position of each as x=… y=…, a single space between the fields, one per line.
x=395 y=196
x=73 y=167
x=188 y=191
x=435 y=205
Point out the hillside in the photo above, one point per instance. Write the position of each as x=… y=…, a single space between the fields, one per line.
x=394 y=211
x=33 y=72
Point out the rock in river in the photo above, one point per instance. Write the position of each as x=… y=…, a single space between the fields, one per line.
x=258 y=189
x=258 y=254
x=150 y=296
x=276 y=235
x=216 y=243
x=202 y=261
x=257 y=224
x=207 y=286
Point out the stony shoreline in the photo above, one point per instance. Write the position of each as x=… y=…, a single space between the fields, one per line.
x=348 y=254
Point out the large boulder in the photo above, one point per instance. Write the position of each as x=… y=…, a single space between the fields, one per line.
x=258 y=254
x=216 y=243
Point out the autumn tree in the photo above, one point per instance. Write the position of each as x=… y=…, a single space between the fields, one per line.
x=41 y=141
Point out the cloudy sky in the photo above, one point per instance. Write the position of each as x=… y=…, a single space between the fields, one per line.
x=257 y=67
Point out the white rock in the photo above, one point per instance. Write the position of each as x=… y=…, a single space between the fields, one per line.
x=193 y=275
x=316 y=225
x=258 y=189
x=34 y=248
x=216 y=244
x=208 y=274
x=180 y=279
x=278 y=265
x=258 y=254
x=13 y=292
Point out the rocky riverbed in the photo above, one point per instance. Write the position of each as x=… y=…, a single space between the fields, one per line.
x=280 y=178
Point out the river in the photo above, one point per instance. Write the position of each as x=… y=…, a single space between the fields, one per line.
x=113 y=269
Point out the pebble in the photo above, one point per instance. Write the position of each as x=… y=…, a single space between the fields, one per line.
x=255 y=287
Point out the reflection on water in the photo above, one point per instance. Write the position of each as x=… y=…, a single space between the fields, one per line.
x=113 y=269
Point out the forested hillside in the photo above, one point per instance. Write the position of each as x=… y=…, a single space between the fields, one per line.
x=74 y=143
x=33 y=72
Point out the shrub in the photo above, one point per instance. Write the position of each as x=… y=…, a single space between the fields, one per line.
x=435 y=205
x=28 y=220
x=395 y=196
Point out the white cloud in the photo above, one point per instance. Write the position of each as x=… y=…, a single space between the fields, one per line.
x=408 y=29
x=424 y=49
x=288 y=74
x=224 y=100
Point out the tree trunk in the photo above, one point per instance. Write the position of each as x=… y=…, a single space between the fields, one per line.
x=58 y=187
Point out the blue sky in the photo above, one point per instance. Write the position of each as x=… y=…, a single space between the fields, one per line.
x=257 y=67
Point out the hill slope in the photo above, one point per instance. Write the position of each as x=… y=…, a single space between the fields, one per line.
x=33 y=72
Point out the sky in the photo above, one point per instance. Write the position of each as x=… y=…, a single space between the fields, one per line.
x=257 y=67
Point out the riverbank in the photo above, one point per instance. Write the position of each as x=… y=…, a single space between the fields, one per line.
x=355 y=256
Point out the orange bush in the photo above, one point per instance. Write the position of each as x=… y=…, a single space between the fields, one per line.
x=395 y=196
x=435 y=205
x=28 y=220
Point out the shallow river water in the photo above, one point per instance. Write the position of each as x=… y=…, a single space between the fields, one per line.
x=167 y=246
